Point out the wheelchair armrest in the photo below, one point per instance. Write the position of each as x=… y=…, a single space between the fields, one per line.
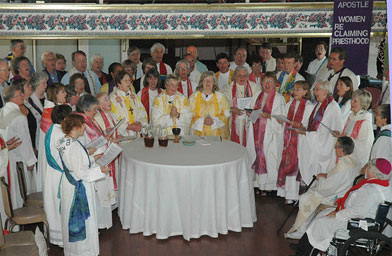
x=388 y=203
x=353 y=224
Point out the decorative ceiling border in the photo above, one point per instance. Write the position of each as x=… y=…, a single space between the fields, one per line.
x=168 y=21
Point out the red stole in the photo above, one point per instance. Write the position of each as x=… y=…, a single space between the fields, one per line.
x=289 y=163
x=46 y=119
x=355 y=131
x=3 y=145
x=260 y=165
x=340 y=201
x=145 y=98
x=112 y=165
x=252 y=77
x=162 y=68
x=314 y=120
x=248 y=93
x=188 y=86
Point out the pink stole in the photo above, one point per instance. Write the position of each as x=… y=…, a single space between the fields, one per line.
x=289 y=163
x=260 y=165
x=355 y=131
x=248 y=93
x=110 y=124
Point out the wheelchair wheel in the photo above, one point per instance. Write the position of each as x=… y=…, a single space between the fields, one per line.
x=367 y=243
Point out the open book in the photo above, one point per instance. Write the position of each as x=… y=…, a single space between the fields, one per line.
x=97 y=143
x=109 y=155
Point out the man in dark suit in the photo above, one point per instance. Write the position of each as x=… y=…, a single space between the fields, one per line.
x=48 y=60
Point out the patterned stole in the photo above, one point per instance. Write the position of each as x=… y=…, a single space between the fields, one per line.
x=289 y=163
x=287 y=89
x=248 y=93
x=260 y=165
x=314 y=120
x=340 y=201
x=46 y=119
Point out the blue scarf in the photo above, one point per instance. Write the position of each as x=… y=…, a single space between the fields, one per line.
x=79 y=209
x=52 y=162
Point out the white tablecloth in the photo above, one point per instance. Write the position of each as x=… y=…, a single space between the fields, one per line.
x=185 y=190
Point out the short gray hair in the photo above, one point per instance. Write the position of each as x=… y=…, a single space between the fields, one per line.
x=9 y=92
x=43 y=57
x=37 y=77
x=365 y=98
x=157 y=46
x=238 y=68
x=188 y=66
x=324 y=85
x=85 y=102
x=205 y=75
x=377 y=173
x=95 y=56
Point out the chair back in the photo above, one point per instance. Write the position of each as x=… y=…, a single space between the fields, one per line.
x=5 y=192
x=22 y=180
x=2 y=240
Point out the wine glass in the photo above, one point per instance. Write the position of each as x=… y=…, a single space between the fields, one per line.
x=176 y=131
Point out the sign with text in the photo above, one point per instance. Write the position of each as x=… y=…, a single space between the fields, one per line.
x=351 y=30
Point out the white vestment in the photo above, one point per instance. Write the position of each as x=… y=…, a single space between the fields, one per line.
x=345 y=109
x=272 y=142
x=326 y=190
x=240 y=120
x=161 y=112
x=271 y=64
x=315 y=153
x=233 y=66
x=51 y=181
x=332 y=77
x=3 y=173
x=195 y=76
x=317 y=68
x=361 y=203
x=169 y=70
x=291 y=189
x=14 y=124
x=363 y=144
x=382 y=147
x=37 y=117
x=81 y=167
x=151 y=97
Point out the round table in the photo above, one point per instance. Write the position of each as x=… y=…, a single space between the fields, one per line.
x=185 y=190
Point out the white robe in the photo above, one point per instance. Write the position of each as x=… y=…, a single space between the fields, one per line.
x=316 y=154
x=291 y=189
x=233 y=66
x=272 y=143
x=363 y=144
x=361 y=203
x=382 y=147
x=333 y=80
x=14 y=124
x=77 y=161
x=161 y=112
x=240 y=120
x=151 y=97
x=317 y=68
x=37 y=117
x=345 y=109
x=3 y=173
x=325 y=191
x=51 y=180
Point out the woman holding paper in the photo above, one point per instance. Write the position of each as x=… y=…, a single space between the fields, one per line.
x=126 y=104
x=210 y=108
x=359 y=126
x=316 y=150
x=268 y=133
x=87 y=107
x=298 y=111
x=78 y=203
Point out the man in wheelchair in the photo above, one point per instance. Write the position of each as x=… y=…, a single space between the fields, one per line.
x=361 y=201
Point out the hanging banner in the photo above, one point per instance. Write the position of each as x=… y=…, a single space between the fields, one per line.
x=352 y=20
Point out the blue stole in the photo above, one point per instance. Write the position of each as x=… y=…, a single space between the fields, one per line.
x=385 y=132
x=79 y=209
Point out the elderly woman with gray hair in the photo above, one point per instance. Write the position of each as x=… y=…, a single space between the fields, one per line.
x=210 y=108
x=359 y=126
x=39 y=83
x=96 y=66
x=315 y=151
x=87 y=107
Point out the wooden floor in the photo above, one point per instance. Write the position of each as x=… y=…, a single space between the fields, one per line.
x=261 y=240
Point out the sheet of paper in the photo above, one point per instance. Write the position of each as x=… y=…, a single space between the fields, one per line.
x=329 y=129
x=116 y=126
x=281 y=118
x=255 y=115
x=243 y=103
x=110 y=154
x=98 y=142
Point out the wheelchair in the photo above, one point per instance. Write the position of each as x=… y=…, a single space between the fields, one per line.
x=356 y=241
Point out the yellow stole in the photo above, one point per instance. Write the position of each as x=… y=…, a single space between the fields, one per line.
x=130 y=109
